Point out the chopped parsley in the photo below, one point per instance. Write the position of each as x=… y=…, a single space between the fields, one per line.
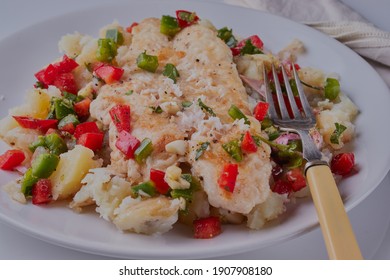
x=335 y=137
x=227 y=36
x=206 y=108
x=157 y=109
x=203 y=147
x=171 y=72
x=249 y=48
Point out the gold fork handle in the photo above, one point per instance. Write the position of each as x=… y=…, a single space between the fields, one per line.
x=336 y=228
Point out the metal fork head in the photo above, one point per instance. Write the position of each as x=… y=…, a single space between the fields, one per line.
x=301 y=121
x=302 y=118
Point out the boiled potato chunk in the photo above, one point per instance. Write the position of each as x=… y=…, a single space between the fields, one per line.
x=71 y=169
x=37 y=105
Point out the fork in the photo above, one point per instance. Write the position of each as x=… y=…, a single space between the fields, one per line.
x=336 y=228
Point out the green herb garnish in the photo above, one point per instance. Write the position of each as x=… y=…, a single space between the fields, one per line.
x=227 y=36
x=249 y=48
x=203 y=147
x=171 y=72
x=156 y=110
x=206 y=108
x=335 y=136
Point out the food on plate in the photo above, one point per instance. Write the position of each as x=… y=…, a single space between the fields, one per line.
x=153 y=125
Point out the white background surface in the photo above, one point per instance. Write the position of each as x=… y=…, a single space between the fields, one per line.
x=370 y=219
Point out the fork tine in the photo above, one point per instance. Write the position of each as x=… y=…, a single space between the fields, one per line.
x=302 y=96
x=291 y=99
x=268 y=96
x=279 y=94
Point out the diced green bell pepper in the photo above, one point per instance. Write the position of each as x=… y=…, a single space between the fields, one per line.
x=233 y=148
x=55 y=144
x=63 y=107
x=72 y=97
x=146 y=187
x=44 y=165
x=40 y=142
x=143 y=151
x=332 y=88
x=28 y=181
x=71 y=118
x=106 y=50
x=147 y=62
x=115 y=35
x=169 y=26
x=236 y=113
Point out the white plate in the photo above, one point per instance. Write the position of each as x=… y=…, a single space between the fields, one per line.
x=25 y=52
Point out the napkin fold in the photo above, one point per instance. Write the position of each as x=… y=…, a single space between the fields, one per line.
x=364 y=38
x=336 y=20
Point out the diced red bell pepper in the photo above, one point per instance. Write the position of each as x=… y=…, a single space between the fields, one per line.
x=66 y=82
x=82 y=108
x=87 y=127
x=343 y=163
x=127 y=143
x=11 y=159
x=42 y=192
x=32 y=123
x=228 y=178
x=69 y=127
x=248 y=145
x=281 y=187
x=130 y=28
x=120 y=115
x=186 y=18
x=157 y=176
x=66 y=65
x=206 y=228
x=235 y=51
x=91 y=140
x=287 y=102
x=297 y=67
x=260 y=110
x=109 y=74
x=255 y=40
x=296 y=179
x=47 y=75
x=52 y=72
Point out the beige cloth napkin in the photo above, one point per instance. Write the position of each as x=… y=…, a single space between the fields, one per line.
x=338 y=21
